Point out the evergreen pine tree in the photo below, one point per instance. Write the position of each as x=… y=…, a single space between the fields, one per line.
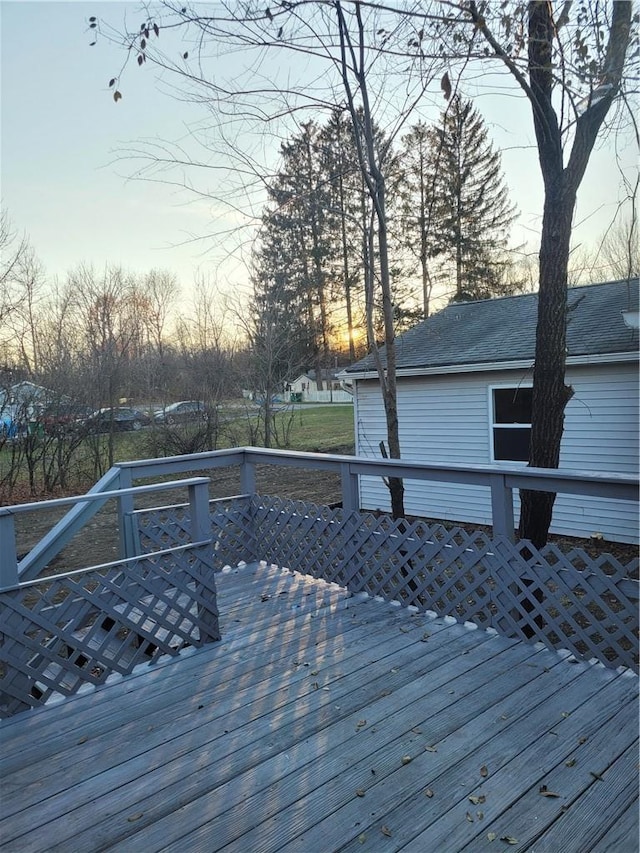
x=473 y=213
x=417 y=207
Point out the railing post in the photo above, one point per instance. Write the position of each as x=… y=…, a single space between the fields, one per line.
x=247 y=477
x=199 y=512
x=248 y=487
x=125 y=510
x=350 y=490
x=8 y=555
x=205 y=589
x=502 y=507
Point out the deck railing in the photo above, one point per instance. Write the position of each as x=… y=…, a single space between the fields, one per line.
x=568 y=600
x=72 y=629
x=501 y=481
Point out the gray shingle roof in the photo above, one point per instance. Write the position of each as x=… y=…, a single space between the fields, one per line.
x=503 y=330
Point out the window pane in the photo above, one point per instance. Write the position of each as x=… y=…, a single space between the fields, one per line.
x=511 y=444
x=512 y=405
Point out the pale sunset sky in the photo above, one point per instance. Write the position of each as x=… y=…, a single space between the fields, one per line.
x=64 y=186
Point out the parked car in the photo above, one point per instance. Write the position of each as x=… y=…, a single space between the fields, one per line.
x=122 y=418
x=184 y=411
x=62 y=418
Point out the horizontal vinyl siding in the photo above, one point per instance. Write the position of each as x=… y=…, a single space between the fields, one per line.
x=447 y=423
x=446 y=419
x=600 y=434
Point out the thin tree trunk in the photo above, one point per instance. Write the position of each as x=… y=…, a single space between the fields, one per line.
x=371 y=170
x=345 y=268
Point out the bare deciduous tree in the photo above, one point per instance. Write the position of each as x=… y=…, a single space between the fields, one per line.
x=362 y=47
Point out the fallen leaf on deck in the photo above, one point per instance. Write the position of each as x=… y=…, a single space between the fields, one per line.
x=83 y=739
x=469 y=817
x=545 y=792
x=484 y=772
x=361 y=723
x=314 y=671
x=583 y=739
x=359 y=793
x=406 y=759
x=565 y=714
x=430 y=749
x=509 y=839
x=477 y=799
x=491 y=836
x=425 y=637
x=428 y=793
x=136 y=816
x=385 y=831
x=570 y=763
x=362 y=838
x=417 y=731
x=480 y=815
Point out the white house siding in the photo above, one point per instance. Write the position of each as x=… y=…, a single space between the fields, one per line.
x=332 y=391
x=447 y=419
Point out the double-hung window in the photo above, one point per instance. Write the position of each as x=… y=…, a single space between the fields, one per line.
x=511 y=424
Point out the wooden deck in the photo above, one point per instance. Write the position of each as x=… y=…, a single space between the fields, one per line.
x=324 y=722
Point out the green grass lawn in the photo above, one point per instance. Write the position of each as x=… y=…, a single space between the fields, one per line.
x=323 y=428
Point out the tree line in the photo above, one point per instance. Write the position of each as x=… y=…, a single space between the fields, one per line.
x=449 y=219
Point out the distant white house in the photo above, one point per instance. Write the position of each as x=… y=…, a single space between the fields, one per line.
x=306 y=385
x=464 y=395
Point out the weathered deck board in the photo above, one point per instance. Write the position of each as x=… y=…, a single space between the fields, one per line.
x=290 y=735
x=338 y=726
x=454 y=772
x=623 y=835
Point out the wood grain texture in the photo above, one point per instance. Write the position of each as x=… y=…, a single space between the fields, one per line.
x=318 y=721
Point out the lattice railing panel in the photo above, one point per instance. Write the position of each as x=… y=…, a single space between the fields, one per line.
x=410 y=562
x=68 y=630
x=231 y=527
x=567 y=600
x=571 y=600
x=162 y=527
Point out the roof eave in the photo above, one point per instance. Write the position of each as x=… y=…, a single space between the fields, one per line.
x=482 y=367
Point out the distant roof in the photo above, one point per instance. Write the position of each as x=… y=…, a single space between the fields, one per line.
x=503 y=330
x=327 y=373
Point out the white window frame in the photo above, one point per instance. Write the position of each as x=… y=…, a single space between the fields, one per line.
x=515 y=386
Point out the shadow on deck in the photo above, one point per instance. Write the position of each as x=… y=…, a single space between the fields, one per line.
x=326 y=721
